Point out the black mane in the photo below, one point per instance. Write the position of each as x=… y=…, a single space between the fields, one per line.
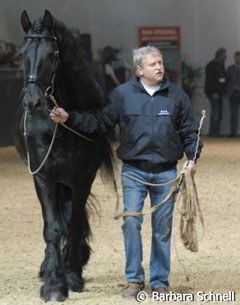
x=74 y=73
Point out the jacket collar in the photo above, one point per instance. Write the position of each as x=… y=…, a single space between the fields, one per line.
x=139 y=87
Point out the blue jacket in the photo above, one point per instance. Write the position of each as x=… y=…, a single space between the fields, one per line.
x=155 y=131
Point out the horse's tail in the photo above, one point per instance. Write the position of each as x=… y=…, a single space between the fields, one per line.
x=107 y=168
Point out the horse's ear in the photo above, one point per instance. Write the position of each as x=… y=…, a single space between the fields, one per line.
x=48 y=19
x=25 y=22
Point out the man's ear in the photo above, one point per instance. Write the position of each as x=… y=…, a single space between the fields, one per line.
x=139 y=71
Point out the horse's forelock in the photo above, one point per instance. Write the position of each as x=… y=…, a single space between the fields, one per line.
x=39 y=26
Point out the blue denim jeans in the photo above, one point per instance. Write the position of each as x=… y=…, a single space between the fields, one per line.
x=134 y=194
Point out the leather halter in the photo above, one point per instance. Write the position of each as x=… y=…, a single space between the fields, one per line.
x=39 y=36
x=34 y=78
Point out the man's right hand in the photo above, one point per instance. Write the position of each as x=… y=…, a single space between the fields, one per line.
x=190 y=166
x=59 y=115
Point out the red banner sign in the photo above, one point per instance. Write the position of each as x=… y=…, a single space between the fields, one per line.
x=168 y=41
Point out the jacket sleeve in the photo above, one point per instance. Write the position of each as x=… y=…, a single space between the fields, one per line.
x=188 y=129
x=98 y=121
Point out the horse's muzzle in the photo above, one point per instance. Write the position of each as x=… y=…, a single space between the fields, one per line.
x=33 y=100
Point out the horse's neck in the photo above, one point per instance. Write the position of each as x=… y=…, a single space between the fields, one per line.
x=66 y=96
x=78 y=89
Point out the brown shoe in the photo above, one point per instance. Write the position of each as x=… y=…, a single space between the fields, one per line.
x=162 y=290
x=132 y=289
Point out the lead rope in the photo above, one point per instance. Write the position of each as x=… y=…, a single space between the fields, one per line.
x=189 y=209
x=51 y=97
x=190 y=204
x=48 y=152
x=172 y=190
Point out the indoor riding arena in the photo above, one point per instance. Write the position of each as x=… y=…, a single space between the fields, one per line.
x=72 y=54
x=215 y=267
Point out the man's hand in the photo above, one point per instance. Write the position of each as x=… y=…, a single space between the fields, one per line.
x=59 y=115
x=190 y=166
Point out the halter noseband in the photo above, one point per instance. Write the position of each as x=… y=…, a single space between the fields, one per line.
x=33 y=78
x=39 y=36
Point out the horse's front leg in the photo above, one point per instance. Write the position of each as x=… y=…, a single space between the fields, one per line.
x=78 y=249
x=52 y=271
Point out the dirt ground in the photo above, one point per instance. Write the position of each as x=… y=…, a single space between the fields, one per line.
x=216 y=267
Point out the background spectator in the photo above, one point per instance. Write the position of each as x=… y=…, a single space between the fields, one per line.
x=115 y=69
x=8 y=55
x=215 y=89
x=233 y=91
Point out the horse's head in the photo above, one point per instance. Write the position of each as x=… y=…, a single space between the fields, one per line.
x=40 y=54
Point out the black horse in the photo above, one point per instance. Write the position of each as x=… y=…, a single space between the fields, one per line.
x=63 y=164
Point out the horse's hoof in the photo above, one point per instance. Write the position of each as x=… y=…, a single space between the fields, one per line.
x=57 y=297
x=75 y=282
x=50 y=294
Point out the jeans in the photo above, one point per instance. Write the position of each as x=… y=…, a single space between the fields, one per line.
x=134 y=194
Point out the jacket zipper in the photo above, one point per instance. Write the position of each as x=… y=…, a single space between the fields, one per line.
x=152 y=101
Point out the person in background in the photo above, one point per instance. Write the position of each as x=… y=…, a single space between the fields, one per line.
x=156 y=128
x=115 y=69
x=215 y=89
x=116 y=72
x=8 y=55
x=233 y=92
x=84 y=41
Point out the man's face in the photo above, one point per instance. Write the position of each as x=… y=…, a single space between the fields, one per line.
x=152 y=70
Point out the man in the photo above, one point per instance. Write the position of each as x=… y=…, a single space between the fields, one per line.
x=233 y=91
x=215 y=89
x=156 y=127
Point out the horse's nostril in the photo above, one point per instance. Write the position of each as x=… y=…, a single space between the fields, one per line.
x=32 y=105
x=38 y=103
x=24 y=105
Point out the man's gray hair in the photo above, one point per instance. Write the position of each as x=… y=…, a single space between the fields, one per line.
x=139 y=54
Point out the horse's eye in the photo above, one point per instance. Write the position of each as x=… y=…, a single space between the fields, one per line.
x=20 y=57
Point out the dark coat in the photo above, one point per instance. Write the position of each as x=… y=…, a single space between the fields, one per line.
x=215 y=79
x=233 y=82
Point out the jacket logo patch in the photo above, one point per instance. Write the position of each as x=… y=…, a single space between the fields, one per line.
x=163 y=112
